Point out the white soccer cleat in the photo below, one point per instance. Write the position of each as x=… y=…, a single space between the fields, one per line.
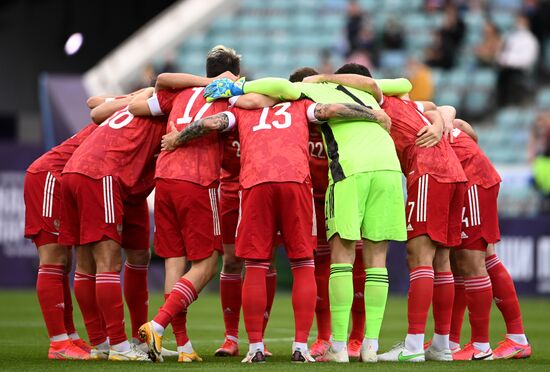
x=99 y=354
x=134 y=354
x=440 y=356
x=301 y=356
x=334 y=357
x=367 y=355
x=399 y=353
x=254 y=357
x=164 y=352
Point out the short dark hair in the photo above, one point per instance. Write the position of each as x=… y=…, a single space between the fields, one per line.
x=221 y=59
x=354 y=68
x=301 y=73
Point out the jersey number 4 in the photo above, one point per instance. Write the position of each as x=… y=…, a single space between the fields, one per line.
x=282 y=107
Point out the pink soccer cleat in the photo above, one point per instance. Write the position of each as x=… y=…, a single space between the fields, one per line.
x=471 y=353
x=354 y=348
x=509 y=349
x=319 y=347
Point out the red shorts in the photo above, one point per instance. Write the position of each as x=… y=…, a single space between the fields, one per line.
x=42 y=194
x=277 y=206
x=187 y=223
x=480 y=218
x=434 y=209
x=322 y=244
x=135 y=225
x=91 y=210
x=229 y=210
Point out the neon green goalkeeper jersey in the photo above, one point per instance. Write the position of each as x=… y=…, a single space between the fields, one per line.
x=352 y=146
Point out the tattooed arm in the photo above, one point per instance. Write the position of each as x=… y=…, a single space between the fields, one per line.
x=323 y=112
x=196 y=129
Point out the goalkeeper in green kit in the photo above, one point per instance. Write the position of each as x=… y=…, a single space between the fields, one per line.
x=364 y=198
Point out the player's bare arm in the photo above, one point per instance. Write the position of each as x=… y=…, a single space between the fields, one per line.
x=324 y=112
x=363 y=83
x=182 y=80
x=138 y=105
x=428 y=105
x=199 y=128
x=430 y=135
x=449 y=114
x=106 y=109
x=466 y=128
x=251 y=101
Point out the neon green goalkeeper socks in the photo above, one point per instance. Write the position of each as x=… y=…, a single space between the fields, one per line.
x=376 y=295
x=340 y=287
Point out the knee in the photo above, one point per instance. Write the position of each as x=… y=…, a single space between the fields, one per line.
x=138 y=257
x=108 y=264
x=232 y=265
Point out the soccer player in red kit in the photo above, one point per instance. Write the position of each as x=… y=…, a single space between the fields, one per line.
x=435 y=191
x=276 y=196
x=186 y=198
x=481 y=276
x=42 y=193
x=102 y=173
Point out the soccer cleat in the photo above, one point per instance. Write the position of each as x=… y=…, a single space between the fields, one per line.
x=441 y=356
x=354 y=348
x=299 y=356
x=509 y=349
x=134 y=354
x=367 y=355
x=319 y=347
x=267 y=353
x=66 y=350
x=82 y=344
x=153 y=340
x=333 y=356
x=228 y=348
x=99 y=354
x=398 y=353
x=189 y=357
x=254 y=357
x=168 y=353
x=427 y=344
x=471 y=353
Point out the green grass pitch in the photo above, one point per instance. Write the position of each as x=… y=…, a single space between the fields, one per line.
x=24 y=344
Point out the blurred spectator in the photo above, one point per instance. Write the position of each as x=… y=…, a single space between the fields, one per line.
x=392 y=35
x=539 y=155
x=354 y=25
x=325 y=65
x=487 y=51
x=516 y=61
x=362 y=57
x=420 y=76
x=447 y=40
x=440 y=54
x=169 y=64
x=538 y=13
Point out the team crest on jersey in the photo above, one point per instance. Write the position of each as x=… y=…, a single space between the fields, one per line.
x=409 y=227
x=56 y=224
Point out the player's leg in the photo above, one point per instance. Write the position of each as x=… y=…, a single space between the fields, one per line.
x=479 y=295
x=298 y=226
x=443 y=297
x=322 y=308
x=232 y=267
x=357 y=332
x=459 y=305
x=384 y=220
x=174 y=268
x=84 y=291
x=271 y=287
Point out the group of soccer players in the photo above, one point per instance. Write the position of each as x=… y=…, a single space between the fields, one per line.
x=272 y=161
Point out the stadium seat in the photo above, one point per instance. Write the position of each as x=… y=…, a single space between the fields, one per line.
x=543 y=99
x=485 y=78
x=503 y=19
x=449 y=96
x=476 y=102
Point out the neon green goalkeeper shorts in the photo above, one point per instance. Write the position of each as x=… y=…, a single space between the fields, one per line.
x=367 y=205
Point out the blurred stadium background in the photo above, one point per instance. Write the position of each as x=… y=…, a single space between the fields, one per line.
x=489 y=58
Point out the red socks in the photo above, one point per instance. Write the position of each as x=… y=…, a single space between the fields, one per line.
x=479 y=297
x=271 y=286
x=136 y=295
x=230 y=293
x=358 y=305
x=84 y=291
x=420 y=297
x=179 y=325
x=109 y=300
x=183 y=294
x=443 y=296
x=322 y=308
x=504 y=293
x=303 y=297
x=254 y=299
x=459 y=307
x=68 y=298
x=49 y=288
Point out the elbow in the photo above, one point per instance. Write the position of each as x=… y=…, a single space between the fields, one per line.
x=93 y=102
x=162 y=80
x=429 y=106
x=96 y=117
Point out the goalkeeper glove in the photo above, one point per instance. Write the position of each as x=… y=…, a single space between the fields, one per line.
x=224 y=88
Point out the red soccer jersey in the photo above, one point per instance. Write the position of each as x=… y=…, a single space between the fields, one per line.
x=199 y=160
x=318 y=163
x=122 y=146
x=231 y=157
x=438 y=161
x=478 y=168
x=274 y=142
x=54 y=160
